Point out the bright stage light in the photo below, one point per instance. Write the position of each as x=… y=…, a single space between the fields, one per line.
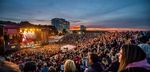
x=26 y=29
x=21 y=30
x=31 y=29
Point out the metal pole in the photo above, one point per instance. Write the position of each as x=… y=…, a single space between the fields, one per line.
x=4 y=40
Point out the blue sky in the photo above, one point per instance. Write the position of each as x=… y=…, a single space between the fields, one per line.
x=91 y=13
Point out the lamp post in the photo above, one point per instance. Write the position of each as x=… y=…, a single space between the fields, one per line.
x=3 y=39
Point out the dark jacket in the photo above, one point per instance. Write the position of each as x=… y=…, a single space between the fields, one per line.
x=114 y=67
x=94 y=68
x=139 y=66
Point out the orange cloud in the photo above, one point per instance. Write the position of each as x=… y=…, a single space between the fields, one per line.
x=74 y=27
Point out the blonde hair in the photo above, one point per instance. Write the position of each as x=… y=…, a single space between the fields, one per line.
x=69 y=66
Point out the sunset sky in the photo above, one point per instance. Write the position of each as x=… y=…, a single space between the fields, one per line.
x=91 y=13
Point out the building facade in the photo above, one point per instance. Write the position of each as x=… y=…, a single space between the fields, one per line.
x=60 y=24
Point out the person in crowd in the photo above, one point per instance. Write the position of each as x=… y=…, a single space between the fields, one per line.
x=6 y=66
x=30 y=67
x=70 y=66
x=132 y=59
x=113 y=67
x=145 y=46
x=45 y=68
x=94 y=65
x=52 y=69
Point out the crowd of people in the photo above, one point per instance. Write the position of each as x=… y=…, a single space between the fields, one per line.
x=94 y=52
x=76 y=38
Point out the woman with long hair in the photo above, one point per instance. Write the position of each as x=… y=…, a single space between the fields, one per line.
x=132 y=59
x=70 y=66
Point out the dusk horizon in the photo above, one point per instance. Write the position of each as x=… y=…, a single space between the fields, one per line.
x=95 y=13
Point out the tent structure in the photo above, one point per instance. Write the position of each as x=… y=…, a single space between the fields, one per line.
x=67 y=48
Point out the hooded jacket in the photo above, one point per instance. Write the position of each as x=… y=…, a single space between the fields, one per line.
x=139 y=66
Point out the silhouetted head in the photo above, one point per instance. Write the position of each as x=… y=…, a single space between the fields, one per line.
x=30 y=67
x=93 y=58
